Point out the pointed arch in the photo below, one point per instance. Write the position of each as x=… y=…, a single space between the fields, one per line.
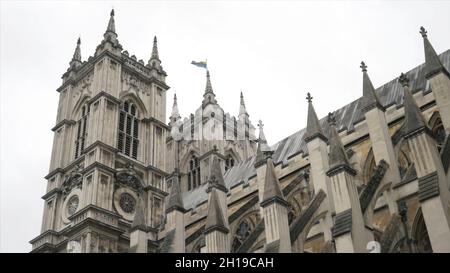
x=244 y=227
x=129 y=128
x=304 y=235
x=437 y=129
x=192 y=150
x=76 y=110
x=419 y=233
x=81 y=115
x=136 y=100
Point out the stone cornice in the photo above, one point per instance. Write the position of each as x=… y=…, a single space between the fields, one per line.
x=104 y=94
x=274 y=199
x=53 y=191
x=65 y=169
x=63 y=122
x=423 y=129
x=154 y=189
x=43 y=234
x=97 y=165
x=86 y=216
x=52 y=173
x=157 y=121
x=341 y=168
x=102 y=144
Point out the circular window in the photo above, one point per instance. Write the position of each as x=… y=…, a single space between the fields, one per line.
x=72 y=205
x=127 y=202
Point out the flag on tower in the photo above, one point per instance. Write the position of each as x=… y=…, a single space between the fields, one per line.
x=200 y=64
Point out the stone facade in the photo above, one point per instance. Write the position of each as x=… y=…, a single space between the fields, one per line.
x=373 y=176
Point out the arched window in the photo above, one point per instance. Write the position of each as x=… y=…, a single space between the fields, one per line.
x=438 y=132
x=243 y=231
x=229 y=162
x=194 y=173
x=420 y=234
x=128 y=140
x=245 y=226
x=81 y=131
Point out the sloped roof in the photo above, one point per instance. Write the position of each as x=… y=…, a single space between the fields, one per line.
x=389 y=94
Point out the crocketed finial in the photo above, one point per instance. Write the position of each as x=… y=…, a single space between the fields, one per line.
x=423 y=32
x=331 y=119
x=112 y=12
x=403 y=80
x=363 y=67
x=309 y=97
x=260 y=124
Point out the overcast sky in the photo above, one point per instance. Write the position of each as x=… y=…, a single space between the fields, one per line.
x=274 y=51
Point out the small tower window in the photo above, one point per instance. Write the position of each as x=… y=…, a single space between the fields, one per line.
x=81 y=131
x=229 y=163
x=128 y=140
x=194 y=173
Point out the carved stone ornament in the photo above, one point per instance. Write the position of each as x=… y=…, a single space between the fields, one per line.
x=73 y=180
x=128 y=177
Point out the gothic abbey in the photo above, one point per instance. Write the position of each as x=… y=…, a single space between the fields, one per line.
x=371 y=176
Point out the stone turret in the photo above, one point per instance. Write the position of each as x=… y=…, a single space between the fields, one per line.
x=216 y=227
x=433 y=189
x=175 y=235
x=316 y=143
x=275 y=213
x=349 y=229
x=439 y=79
x=382 y=146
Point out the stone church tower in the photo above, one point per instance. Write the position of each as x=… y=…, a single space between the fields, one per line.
x=372 y=176
x=108 y=156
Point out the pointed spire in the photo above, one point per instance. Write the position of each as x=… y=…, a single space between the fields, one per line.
x=77 y=54
x=110 y=33
x=175 y=115
x=433 y=64
x=414 y=120
x=272 y=191
x=111 y=24
x=369 y=99
x=263 y=150
x=337 y=157
x=155 y=55
x=208 y=88
x=215 y=219
x=242 y=109
x=175 y=197
x=216 y=177
x=208 y=96
x=139 y=216
x=313 y=128
x=110 y=41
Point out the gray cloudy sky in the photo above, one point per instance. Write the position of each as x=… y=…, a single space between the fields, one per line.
x=274 y=51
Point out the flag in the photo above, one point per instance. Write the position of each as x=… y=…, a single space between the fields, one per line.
x=200 y=64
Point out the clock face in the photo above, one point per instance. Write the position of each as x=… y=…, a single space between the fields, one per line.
x=127 y=202
x=72 y=205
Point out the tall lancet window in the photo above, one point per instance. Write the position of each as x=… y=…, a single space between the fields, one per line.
x=128 y=140
x=194 y=173
x=81 y=131
x=229 y=162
